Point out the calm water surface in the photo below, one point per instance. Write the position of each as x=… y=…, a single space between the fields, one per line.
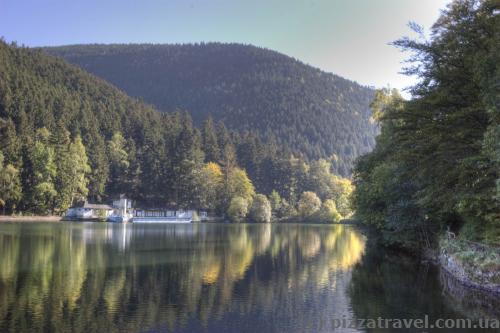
x=98 y=277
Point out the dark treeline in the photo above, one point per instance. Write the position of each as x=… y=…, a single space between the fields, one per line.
x=66 y=136
x=436 y=164
x=302 y=109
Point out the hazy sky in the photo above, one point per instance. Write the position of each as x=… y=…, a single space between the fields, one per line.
x=346 y=37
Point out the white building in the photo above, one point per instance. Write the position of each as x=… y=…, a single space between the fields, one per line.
x=89 y=211
x=169 y=215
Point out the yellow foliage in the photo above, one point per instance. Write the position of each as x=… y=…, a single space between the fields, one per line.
x=213 y=169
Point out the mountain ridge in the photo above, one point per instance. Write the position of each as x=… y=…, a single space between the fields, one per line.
x=251 y=89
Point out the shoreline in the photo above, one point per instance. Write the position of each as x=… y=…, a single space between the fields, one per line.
x=35 y=218
x=455 y=270
x=467 y=283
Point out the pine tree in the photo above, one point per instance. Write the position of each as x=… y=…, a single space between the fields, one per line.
x=10 y=185
x=118 y=165
x=210 y=143
x=60 y=140
x=9 y=142
x=40 y=187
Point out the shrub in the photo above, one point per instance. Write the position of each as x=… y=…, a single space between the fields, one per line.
x=238 y=209
x=329 y=211
x=309 y=204
x=261 y=209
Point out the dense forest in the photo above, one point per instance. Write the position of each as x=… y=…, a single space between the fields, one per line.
x=436 y=165
x=311 y=113
x=66 y=135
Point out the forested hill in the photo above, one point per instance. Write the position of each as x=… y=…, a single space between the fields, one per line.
x=67 y=136
x=47 y=104
x=302 y=108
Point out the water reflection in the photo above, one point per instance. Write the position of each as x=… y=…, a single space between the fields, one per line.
x=108 y=277
x=387 y=285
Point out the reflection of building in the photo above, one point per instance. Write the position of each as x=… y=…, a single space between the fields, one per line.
x=89 y=211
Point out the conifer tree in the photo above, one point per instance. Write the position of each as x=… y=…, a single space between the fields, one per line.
x=10 y=185
x=118 y=165
x=210 y=143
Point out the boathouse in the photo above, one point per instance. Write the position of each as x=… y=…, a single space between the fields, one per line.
x=89 y=211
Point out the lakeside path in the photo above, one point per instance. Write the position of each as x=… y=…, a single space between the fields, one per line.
x=7 y=218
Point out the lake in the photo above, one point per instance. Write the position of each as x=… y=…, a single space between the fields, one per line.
x=101 y=277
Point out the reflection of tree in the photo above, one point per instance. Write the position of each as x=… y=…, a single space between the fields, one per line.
x=85 y=278
x=388 y=285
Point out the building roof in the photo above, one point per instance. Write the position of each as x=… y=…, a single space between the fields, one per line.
x=96 y=206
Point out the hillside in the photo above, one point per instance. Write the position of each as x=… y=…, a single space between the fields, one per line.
x=66 y=136
x=53 y=113
x=305 y=110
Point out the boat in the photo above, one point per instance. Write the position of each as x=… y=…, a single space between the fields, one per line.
x=118 y=218
x=121 y=214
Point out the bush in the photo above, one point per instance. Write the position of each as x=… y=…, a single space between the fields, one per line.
x=309 y=204
x=329 y=211
x=238 y=209
x=261 y=209
x=196 y=217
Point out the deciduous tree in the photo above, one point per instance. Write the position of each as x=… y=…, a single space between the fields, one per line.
x=261 y=209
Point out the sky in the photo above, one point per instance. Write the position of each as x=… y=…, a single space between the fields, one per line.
x=347 y=37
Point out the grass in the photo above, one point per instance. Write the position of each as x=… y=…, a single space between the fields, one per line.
x=480 y=262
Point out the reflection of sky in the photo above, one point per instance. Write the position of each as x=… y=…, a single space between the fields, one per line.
x=346 y=37
x=223 y=276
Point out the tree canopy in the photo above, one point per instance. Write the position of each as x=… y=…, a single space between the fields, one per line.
x=436 y=162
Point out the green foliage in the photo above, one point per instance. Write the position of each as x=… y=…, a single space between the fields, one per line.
x=9 y=141
x=118 y=165
x=261 y=209
x=239 y=185
x=330 y=186
x=287 y=210
x=308 y=204
x=238 y=209
x=10 y=185
x=39 y=183
x=211 y=180
x=72 y=136
x=79 y=169
x=117 y=152
x=54 y=116
x=481 y=264
x=436 y=164
x=72 y=169
x=275 y=201
x=302 y=109
x=210 y=142
x=329 y=211
x=101 y=215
